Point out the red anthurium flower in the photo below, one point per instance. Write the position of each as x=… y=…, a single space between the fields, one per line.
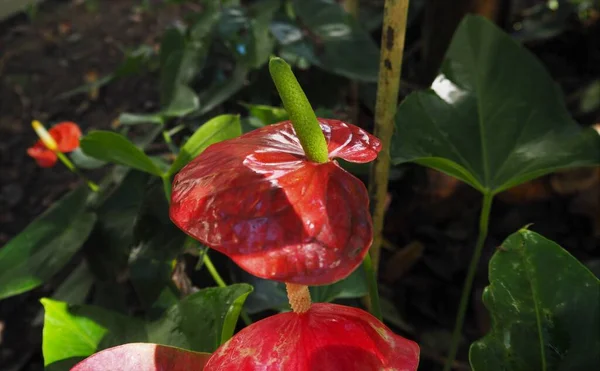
x=63 y=137
x=327 y=337
x=143 y=357
x=260 y=201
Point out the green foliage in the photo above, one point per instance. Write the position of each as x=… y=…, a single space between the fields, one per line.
x=545 y=309
x=493 y=118
x=73 y=332
x=112 y=147
x=46 y=245
x=215 y=130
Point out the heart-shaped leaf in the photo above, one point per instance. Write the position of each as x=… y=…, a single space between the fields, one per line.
x=200 y=322
x=545 y=309
x=144 y=356
x=493 y=118
x=112 y=147
x=214 y=130
x=46 y=245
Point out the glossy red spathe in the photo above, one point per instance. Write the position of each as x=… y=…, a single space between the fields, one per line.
x=143 y=356
x=65 y=134
x=279 y=216
x=328 y=337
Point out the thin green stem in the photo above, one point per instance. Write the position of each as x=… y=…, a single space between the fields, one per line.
x=169 y=141
x=167 y=187
x=374 y=306
x=390 y=67
x=484 y=218
x=300 y=111
x=219 y=281
x=213 y=271
x=71 y=166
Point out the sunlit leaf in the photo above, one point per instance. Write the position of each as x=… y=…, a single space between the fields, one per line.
x=493 y=118
x=214 y=130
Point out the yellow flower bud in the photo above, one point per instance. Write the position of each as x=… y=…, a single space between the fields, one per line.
x=44 y=135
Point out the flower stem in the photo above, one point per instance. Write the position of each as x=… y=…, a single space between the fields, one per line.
x=300 y=111
x=71 y=166
x=374 y=306
x=390 y=67
x=167 y=187
x=299 y=297
x=468 y=285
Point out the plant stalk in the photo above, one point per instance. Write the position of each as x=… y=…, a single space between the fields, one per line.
x=390 y=67
x=373 y=304
x=301 y=114
x=299 y=297
x=484 y=218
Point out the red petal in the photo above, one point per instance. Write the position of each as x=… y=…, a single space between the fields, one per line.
x=328 y=337
x=42 y=155
x=277 y=215
x=66 y=135
x=142 y=356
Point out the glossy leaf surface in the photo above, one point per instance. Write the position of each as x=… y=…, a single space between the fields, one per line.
x=112 y=147
x=203 y=320
x=327 y=337
x=258 y=200
x=72 y=333
x=214 y=130
x=144 y=356
x=46 y=245
x=200 y=322
x=493 y=118
x=545 y=309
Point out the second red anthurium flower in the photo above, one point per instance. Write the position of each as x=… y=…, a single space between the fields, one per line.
x=62 y=137
x=260 y=201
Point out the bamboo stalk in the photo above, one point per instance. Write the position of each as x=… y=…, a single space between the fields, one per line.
x=390 y=68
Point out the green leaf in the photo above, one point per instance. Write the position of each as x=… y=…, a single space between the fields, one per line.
x=73 y=332
x=112 y=147
x=348 y=50
x=493 y=118
x=157 y=243
x=545 y=309
x=46 y=245
x=267 y=114
x=221 y=90
x=141 y=118
x=214 y=130
x=202 y=321
x=181 y=58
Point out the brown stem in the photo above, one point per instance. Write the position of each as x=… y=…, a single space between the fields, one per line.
x=390 y=67
x=299 y=297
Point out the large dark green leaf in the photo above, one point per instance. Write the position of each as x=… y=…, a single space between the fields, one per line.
x=493 y=117
x=46 y=245
x=214 y=130
x=347 y=49
x=545 y=309
x=202 y=321
x=112 y=147
x=157 y=244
